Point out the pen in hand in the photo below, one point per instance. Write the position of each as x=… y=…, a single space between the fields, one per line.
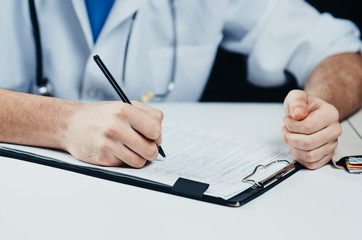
x=118 y=89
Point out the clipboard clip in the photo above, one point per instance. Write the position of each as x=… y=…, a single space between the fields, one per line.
x=272 y=178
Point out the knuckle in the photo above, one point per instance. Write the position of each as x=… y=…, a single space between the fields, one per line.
x=285 y=135
x=158 y=141
x=294 y=152
x=159 y=115
x=288 y=126
x=286 y=122
x=334 y=113
x=307 y=144
x=339 y=130
x=109 y=131
x=123 y=111
x=310 y=156
x=139 y=163
x=134 y=160
x=292 y=93
x=155 y=131
x=334 y=145
x=307 y=127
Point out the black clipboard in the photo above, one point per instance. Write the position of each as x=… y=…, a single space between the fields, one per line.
x=182 y=187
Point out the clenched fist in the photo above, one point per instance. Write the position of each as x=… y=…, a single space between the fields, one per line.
x=311 y=128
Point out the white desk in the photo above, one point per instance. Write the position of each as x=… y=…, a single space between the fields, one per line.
x=39 y=202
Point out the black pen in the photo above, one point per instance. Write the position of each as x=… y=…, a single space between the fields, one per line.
x=118 y=89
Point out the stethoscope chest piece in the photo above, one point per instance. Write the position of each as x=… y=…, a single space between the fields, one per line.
x=43 y=89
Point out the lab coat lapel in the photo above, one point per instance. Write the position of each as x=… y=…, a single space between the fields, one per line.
x=81 y=11
x=121 y=10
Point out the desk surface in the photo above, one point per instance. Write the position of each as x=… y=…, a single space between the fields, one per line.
x=39 y=202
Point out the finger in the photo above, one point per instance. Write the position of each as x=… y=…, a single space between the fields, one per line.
x=315 y=154
x=315 y=121
x=312 y=141
x=296 y=104
x=153 y=112
x=144 y=123
x=104 y=157
x=115 y=153
x=158 y=141
x=315 y=165
x=135 y=142
x=129 y=157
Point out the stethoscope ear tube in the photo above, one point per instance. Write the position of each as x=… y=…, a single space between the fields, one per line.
x=43 y=87
x=148 y=96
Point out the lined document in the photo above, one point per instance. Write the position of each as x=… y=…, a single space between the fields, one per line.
x=204 y=156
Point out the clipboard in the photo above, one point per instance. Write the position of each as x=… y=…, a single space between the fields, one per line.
x=182 y=187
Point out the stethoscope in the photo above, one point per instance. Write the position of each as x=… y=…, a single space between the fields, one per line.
x=44 y=87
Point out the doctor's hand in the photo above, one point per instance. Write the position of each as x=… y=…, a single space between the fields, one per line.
x=114 y=133
x=311 y=128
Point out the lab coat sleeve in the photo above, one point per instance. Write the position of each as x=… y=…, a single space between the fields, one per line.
x=279 y=35
x=17 y=51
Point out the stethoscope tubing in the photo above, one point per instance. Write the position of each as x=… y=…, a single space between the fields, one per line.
x=45 y=88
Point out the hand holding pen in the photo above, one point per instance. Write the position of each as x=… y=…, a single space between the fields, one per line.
x=110 y=133
x=124 y=98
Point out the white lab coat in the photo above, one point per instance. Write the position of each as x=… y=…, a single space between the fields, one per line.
x=276 y=35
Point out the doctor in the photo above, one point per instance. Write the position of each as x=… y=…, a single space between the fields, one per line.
x=166 y=48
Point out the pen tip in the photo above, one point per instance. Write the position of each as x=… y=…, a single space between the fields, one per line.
x=160 y=151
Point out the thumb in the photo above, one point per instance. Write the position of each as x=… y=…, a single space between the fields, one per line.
x=296 y=104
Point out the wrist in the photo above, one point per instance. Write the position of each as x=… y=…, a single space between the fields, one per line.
x=66 y=115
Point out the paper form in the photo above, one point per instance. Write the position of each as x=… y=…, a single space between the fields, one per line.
x=219 y=160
